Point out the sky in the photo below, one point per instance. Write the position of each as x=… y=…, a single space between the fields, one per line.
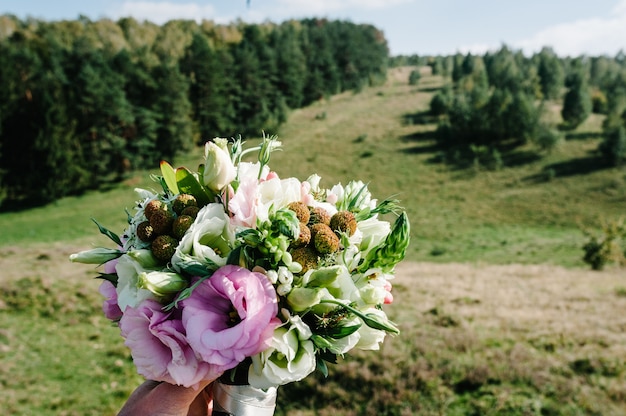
x=422 y=27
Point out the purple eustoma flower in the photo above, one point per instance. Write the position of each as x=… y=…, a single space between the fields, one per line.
x=231 y=315
x=110 y=307
x=159 y=346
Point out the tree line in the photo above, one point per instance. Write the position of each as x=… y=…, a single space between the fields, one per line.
x=496 y=102
x=85 y=102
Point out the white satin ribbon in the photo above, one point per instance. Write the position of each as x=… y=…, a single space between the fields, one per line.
x=243 y=400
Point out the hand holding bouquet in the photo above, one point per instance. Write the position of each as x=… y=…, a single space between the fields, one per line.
x=232 y=270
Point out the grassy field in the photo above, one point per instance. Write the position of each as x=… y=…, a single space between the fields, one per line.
x=499 y=315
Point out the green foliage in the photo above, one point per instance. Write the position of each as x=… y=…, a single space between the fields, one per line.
x=613 y=145
x=550 y=72
x=84 y=103
x=547 y=138
x=607 y=247
x=441 y=102
x=414 y=77
x=577 y=104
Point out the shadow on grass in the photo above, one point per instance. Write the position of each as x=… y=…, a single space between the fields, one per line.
x=419 y=118
x=427 y=142
x=428 y=89
x=519 y=157
x=578 y=166
x=586 y=135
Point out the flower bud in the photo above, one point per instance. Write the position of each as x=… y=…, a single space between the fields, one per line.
x=302 y=298
x=99 y=255
x=267 y=147
x=161 y=284
x=144 y=257
x=219 y=169
x=376 y=321
x=324 y=276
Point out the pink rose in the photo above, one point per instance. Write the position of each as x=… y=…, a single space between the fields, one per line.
x=110 y=307
x=231 y=316
x=159 y=346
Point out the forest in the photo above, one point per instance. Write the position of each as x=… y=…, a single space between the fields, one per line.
x=497 y=102
x=85 y=102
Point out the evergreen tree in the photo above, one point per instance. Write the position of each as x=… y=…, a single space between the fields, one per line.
x=577 y=103
x=207 y=71
x=292 y=63
x=322 y=77
x=174 y=132
x=551 y=74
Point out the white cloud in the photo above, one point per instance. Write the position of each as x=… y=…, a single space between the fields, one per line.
x=593 y=36
x=161 y=12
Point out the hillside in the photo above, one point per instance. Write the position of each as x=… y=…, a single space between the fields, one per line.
x=482 y=333
x=531 y=211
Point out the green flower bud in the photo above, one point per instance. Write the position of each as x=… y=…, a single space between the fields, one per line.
x=99 y=255
x=162 y=284
x=378 y=322
x=392 y=250
x=144 y=257
x=324 y=277
x=267 y=147
x=303 y=298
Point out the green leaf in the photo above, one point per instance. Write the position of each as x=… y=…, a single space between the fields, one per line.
x=111 y=277
x=342 y=331
x=184 y=294
x=320 y=365
x=108 y=233
x=169 y=176
x=188 y=183
x=320 y=342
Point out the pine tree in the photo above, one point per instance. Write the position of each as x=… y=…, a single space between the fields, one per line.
x=577 y=103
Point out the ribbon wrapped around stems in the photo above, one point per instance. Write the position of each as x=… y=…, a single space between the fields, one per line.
x=242 y=400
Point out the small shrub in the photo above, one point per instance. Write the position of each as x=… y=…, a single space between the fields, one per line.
x=548 y=138
x=321 y=116
x=414 y=77
x=605 y=248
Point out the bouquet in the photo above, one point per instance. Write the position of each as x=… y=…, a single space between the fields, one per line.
x=232 y=271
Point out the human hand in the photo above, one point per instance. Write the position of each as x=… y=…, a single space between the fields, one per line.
x=154 y=398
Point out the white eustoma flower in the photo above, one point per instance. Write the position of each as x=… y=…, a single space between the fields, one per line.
x=345 y=344
x=208 y=240
x=276 y=193
x=373 y=232
x=128 y=291
x=372 y=286
x=290 y=357
x=219 y=169
x=370 y=338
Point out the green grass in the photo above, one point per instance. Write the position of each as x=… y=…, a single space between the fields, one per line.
x=480 y=335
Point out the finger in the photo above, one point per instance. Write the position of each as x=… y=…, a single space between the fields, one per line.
x=202 y=404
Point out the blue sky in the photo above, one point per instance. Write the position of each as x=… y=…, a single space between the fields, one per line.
x=573 y=27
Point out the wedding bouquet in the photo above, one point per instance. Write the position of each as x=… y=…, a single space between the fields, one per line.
x=232 y=270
